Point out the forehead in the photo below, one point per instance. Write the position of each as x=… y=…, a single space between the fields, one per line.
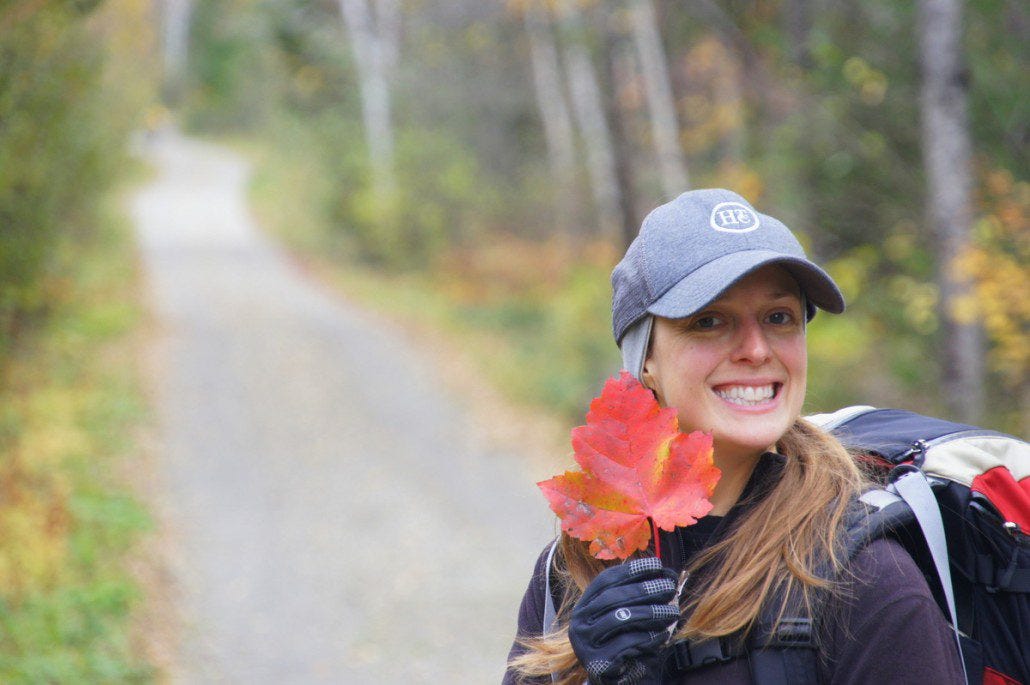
x=767 y=282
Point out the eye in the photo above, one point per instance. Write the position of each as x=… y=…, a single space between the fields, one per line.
x=781 y=318
x=705 y=322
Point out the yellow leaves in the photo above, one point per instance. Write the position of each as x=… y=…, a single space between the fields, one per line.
x=852 y=270
x=995 y=267
x=51 y=427
x=870 y=83
x=745 y=180
x=34 y=490
x=34 y=517
x=34 y=523
x=901 y=243
x=919 y=299
x=1000 y=299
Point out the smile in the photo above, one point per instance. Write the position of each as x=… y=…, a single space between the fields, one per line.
x=747 y=395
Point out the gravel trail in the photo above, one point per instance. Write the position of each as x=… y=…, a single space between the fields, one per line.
x=337 y=519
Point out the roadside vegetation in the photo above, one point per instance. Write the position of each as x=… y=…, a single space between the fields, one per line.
x=68 y=517
x=70 y=403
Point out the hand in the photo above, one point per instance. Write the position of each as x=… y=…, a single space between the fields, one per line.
x=620 y=624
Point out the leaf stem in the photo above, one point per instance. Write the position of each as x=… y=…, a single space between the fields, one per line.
x=657 y=542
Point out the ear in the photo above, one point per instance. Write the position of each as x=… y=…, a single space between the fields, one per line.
x=647 y=375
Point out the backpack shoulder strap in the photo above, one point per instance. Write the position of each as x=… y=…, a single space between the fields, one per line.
x=911 y=485
x=550 y=613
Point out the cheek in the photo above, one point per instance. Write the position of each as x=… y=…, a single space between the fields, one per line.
x=690 y=372
x=795 y=357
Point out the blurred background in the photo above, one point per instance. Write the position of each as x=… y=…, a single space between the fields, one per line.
x=478 y=168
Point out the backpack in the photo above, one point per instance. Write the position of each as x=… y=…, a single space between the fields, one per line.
x=958 y=498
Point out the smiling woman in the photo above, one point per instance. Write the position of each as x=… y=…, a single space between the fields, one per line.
x=709 y=308
x=736 y=369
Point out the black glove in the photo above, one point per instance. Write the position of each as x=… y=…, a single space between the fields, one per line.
x=619 y=626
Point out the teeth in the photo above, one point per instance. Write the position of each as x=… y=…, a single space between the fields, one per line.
x=746 y=395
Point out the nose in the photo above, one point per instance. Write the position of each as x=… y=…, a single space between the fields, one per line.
x=752 y=345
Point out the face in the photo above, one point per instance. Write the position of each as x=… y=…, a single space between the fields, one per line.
x=737 y=368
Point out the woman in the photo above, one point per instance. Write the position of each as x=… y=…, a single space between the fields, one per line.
x=709 y=308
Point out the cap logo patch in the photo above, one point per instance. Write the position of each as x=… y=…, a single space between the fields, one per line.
x=733 y=217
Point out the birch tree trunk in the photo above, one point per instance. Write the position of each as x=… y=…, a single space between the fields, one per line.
x=621 y=72
x=175 y=29
x=797 y=171
x=655 y=71
x=947 y=161
x=559 y=134
x=588 y=109
x=374 y=33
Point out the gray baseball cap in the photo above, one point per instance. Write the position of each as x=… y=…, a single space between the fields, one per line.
x=692 y=249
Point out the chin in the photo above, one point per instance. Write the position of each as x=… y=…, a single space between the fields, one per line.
x=755 y=443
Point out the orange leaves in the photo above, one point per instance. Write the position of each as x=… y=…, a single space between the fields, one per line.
x=639 y=473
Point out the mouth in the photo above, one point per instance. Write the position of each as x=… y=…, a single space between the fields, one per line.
x=749 y=395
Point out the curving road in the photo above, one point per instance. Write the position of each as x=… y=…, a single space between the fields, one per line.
x=335 y=520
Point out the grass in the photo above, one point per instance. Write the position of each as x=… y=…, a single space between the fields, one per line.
x=68 y=520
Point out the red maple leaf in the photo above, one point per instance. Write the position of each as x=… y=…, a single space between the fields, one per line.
x=640 y=473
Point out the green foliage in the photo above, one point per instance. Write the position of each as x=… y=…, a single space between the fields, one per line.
x=69 y=93
x=441 y=203
x=229 y=87
x=66 y=521
x=59 y=142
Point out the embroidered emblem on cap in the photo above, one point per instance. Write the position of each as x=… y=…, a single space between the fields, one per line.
x=733 y=217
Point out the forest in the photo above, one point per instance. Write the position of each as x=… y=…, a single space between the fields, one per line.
x=478 y=168
x=502 y=154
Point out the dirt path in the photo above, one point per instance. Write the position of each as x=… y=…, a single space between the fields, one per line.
x=336 y=519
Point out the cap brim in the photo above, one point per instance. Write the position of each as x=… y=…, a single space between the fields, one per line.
x=707 y=283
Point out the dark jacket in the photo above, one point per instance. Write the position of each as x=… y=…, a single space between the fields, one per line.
x=885 y=627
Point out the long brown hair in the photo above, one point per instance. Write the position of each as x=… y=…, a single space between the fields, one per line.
x=776 y=549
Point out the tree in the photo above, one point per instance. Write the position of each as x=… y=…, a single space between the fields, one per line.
x=175 y=28
x=947 y=160
x=551 y=103
x=621 y=73
x=588 y=108
x=374 y=42
x=655 y=72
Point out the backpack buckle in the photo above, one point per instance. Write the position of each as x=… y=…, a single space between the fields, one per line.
x=915 y=455
x=691 y=654
x=791 y=632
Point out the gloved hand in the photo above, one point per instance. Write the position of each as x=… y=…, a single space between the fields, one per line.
x=620 y=624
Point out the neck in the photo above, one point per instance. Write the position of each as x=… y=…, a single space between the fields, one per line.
x=736 y=470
